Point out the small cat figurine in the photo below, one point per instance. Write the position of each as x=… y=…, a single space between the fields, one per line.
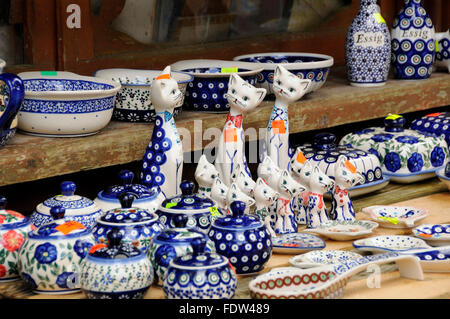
x=297 y=167
x=346 y=176
x=219 y=193
x=269 y=172
x=288 y=189
x=244 y=182
x=205 y=174
x=242 y=98
x=287 y=88
x=234 y=194
x=319 y=183
x=265 y=196
x=163 y=160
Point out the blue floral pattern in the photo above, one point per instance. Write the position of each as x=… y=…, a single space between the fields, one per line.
x=82 y=247
x=392 y=161
x=407 y=139
x=415 y=162
x=46 y=253
x=437 y=156
x=382 y=137
x=62 y=279
x=164 y=254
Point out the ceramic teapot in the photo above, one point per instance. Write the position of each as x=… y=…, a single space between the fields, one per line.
x=115 y=271
x=12 y=93
x=50 y=258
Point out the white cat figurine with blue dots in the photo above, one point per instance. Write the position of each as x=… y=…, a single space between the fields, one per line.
x=242 y=98
x=163 y=159
x=288 y=88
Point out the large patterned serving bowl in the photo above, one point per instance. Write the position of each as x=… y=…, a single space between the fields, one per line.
x=65 y=104
x=133 y=101
x=315 y=67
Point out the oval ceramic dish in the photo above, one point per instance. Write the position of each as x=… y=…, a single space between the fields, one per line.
x=133 y=101
x=345 y=229
x=207 y=93
x=322 y=257
x=444 y=175
x=395 y=243
x=434 y=234
x=65 y=104
x=296 y=243
x=395 y=216
x=314 y=67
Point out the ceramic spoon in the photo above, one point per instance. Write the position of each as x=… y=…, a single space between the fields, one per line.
x=327 y=281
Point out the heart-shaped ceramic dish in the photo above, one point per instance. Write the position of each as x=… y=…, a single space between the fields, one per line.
x=296 y=243
x=434 y=234
x=345 y=229
x=322 y=257
x=394 y=243
x=395 y=216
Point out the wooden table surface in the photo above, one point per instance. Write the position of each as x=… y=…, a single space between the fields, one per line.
x=392 y=286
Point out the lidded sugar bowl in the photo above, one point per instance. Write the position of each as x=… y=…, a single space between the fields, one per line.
x=148 y=198
x=406 y=155
x=78 y=208
x=14 y=228
x=137 y=225
x=243 y=239
x=172 y=243
x=116 y=271
x=201 y=210
x=200 y=275
x=50 y=258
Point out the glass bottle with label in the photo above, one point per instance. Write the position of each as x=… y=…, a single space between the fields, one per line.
x=413 y=42
x=368 y=47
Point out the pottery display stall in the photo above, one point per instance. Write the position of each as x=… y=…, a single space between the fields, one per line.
x=65 y=104
x=312 y=66
x=12 y=93
x=147 y=198
x=172 y=243
x=137 y=225
x=133 y=101
x=116 y=270
x=14 y=228
x=51 y=256
x=407 y=156
x=77 y=208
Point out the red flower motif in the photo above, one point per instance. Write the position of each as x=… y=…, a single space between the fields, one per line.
x=2 y=218
x=12 y=240
x=2 y=271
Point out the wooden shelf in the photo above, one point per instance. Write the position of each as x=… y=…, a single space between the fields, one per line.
x=28 y=158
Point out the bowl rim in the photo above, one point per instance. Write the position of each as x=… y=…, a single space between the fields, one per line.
x=189 y=79
x=327 y=62
x=68 y=95
x=441 y=174
x=253 y=68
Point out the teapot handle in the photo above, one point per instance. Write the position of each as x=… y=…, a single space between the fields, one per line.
x=16 y=94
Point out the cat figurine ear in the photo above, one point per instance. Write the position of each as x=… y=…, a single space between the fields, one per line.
x=165 y=92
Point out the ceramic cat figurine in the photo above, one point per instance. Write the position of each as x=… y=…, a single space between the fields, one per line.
x=300 y=171
x=244 y=182
x=242 y=98
x=234 y=194
x=288 y=189
x=205 y=174
x=265 y=196
x=319 y=184
x=346 y=176
x=269 y=172
x=219 y=193
x=288 y=88
x=163 y=159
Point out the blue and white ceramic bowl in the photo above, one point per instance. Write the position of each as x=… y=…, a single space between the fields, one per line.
x=50 y=258
x=407 y=156
x=172 y=243
x=146 y=197
x=137 y=226
x=243 y=239
x=207 y=92
x=199 y=209
x=312 y=66
x=435 y=124
x=200 y=275
x=116 y=271
x=133 y=101
x=12 y=93
x=78 y=208
x=434 y=234
x=65 y=104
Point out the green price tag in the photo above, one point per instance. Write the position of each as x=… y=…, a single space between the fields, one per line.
x=49 y=73
x=391 y=220
x=170 y=205
x=393 y=116
x=214 y=211
x=229 y=70
x=378 y=17
x=437 y=46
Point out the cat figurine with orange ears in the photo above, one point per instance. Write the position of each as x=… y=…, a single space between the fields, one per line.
x=242 y=98
x=300 y=169
x=163 y=160
x=288 y=88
